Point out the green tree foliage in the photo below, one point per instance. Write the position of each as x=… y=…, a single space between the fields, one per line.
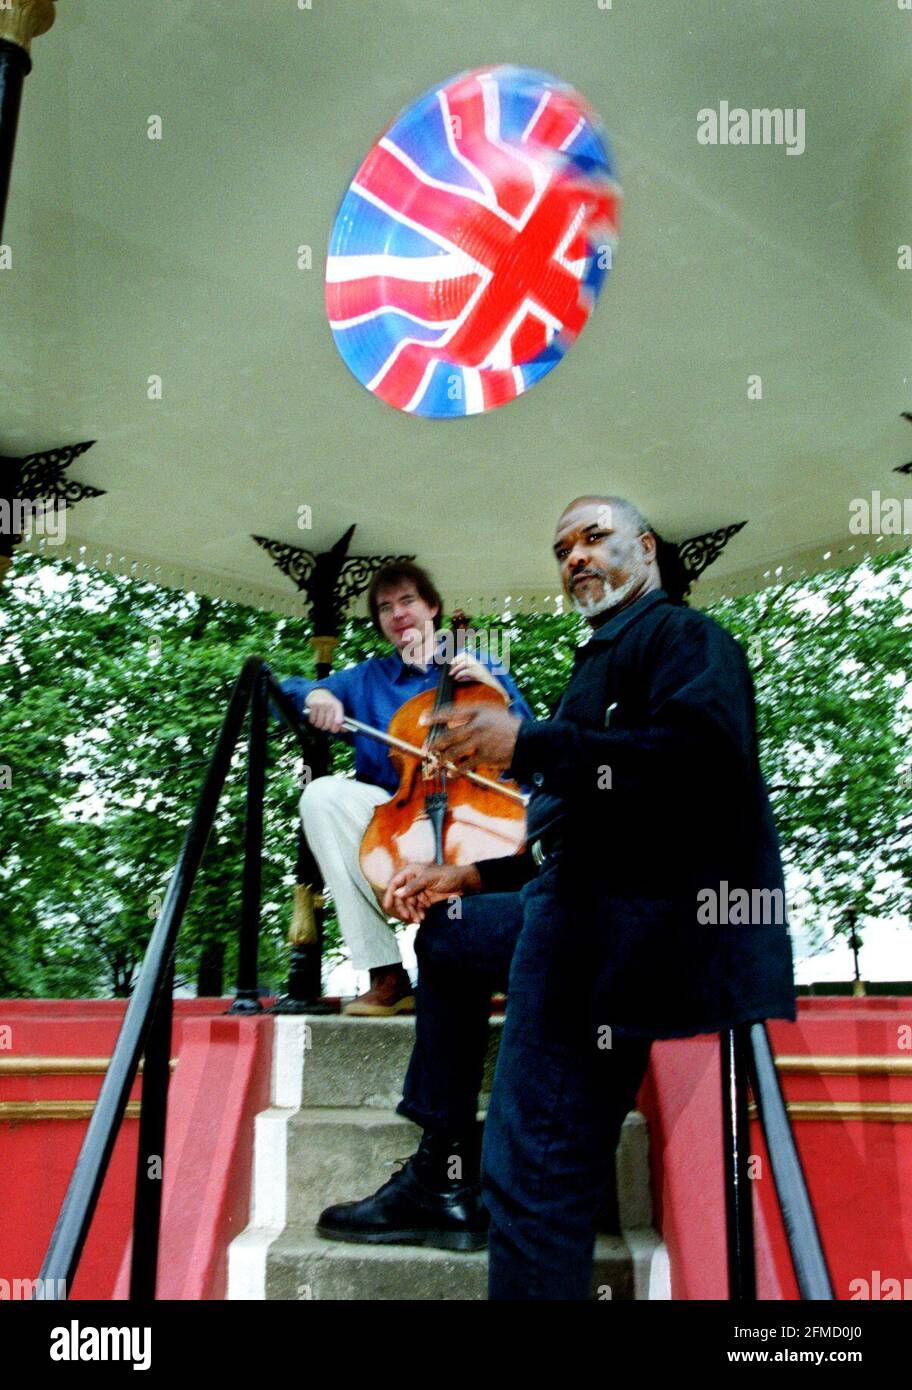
x=831 y=661
x=112 y=693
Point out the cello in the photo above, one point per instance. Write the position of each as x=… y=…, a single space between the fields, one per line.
x=439 y=814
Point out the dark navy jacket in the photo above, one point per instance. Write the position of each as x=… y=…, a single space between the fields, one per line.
x=650 y=761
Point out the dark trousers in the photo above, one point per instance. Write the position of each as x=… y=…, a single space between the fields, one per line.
x=562 y=1087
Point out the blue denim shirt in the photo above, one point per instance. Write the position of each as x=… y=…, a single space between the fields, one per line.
x=372 y=692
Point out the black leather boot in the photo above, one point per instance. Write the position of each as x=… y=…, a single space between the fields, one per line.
x=434 y=1199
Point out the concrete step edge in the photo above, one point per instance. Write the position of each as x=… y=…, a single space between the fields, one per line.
x=297 y=1239
x=302 y=1266
x=364 y=1116
x=328 y=1023
x=251 y=1250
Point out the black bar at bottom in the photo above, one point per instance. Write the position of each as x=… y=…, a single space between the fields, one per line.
x=246 y=998
x=739 y=1219
x=150 y=1155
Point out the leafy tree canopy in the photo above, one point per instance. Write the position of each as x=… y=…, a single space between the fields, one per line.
x=112 y=692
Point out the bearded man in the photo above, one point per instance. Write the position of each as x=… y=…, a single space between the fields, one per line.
x=649 y=797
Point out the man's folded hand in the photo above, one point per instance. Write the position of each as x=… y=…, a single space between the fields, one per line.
x=415 y=887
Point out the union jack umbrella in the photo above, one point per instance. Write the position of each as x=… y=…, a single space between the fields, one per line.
x=472 y=243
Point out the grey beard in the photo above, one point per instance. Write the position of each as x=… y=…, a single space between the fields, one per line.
x=590 y=608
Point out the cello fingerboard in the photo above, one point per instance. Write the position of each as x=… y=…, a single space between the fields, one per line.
x=446 y=687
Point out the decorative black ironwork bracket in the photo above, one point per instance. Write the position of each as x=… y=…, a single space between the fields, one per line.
x=330 y=579
x=699 y=552
x=38 y=478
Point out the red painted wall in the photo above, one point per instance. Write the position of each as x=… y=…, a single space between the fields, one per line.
x=224 y=1071
x=859 y=1172
x=220 y=1082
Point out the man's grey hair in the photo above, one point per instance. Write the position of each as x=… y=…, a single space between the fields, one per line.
x=618 y=504
x=633 y=514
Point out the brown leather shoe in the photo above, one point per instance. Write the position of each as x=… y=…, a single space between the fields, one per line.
x=390 y=993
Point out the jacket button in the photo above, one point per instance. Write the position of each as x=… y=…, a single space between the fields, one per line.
x=538 y=779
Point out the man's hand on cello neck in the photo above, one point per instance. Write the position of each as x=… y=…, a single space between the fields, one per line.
x=471 y=735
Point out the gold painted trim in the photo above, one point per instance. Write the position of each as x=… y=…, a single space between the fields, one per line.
x=303 y=929
x=887 y=1111
x=23 y=20
x=56 y=1109
x=60 y=1066
x=847 y=1066
x=323 y=649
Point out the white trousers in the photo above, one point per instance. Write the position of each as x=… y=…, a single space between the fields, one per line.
x=335 y=812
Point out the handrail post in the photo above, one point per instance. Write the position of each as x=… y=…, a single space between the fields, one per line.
x=808 y=1259
x=150 y=1154
x=246 y=995
x=739 y=1220
x=303 y=990
x=304 y=987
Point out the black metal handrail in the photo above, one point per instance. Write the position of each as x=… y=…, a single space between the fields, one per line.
x=747 y=1060
x=746 y=1056
x=146 y=1028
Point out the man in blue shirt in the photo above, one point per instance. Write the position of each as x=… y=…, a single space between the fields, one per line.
x=406 y=609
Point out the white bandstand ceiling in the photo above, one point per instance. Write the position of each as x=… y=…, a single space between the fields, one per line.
x=177 y=258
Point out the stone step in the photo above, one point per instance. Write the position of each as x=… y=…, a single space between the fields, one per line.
x=341 y=1155
x=299 y=1265
x=351 y=1062
x=308 y=1155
